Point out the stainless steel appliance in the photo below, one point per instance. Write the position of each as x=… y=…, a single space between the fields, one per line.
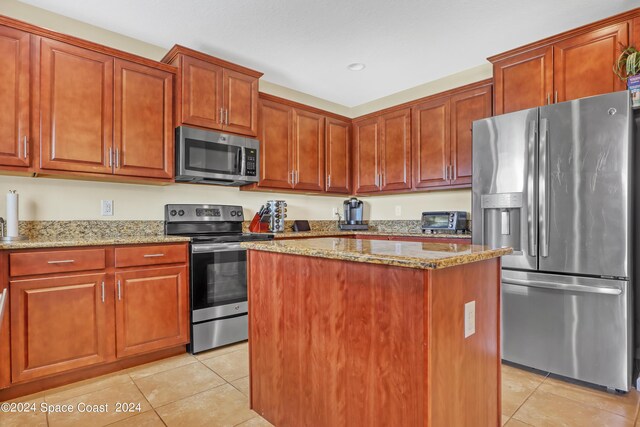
x=218 y=267
x=555 y=183
x=445 y=221
x=353 y=213
x=208 y=157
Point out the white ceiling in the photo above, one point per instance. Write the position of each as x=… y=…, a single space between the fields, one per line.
x=306 y=45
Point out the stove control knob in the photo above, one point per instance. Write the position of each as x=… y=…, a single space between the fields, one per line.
x=180 y=212
x=173 y=212
x=233 y=213
x=239 y=213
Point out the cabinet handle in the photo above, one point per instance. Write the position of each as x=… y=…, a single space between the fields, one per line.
x=102 y=291
x=329 y=181
x=119 y=291
x=3 y=303
x=221 y=121
x=555 y=97
x=450 y=173
x=62 y=261
x=152 y=255
x=548 y=99
x=26 y=147
x=297 y=177
x=110 y=157
x=117 y=158
x=226 y=116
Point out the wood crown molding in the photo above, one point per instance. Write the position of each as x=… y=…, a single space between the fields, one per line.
x=285 y=101
x=409 y=104
x=182 y=50
x=612 y=20
x=76 y=41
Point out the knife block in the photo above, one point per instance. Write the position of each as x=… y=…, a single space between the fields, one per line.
x=258 y=227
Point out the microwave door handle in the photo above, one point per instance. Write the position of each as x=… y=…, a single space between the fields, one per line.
x=241 y=164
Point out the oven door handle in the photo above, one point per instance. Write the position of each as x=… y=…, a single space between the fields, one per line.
x=216 y=247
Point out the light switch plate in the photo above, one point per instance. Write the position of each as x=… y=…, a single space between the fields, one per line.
x=106 y=207
x=469 y=319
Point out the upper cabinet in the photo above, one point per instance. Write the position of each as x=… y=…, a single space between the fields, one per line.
x=14 y=97
x=302 y=148
x=214 y=94
x=442 y=139
x=568 y=66
x=366 y=157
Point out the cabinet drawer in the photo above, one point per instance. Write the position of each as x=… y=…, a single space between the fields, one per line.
x=30 y=263
x=150 y=255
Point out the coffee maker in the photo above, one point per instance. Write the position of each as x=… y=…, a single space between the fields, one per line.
x=353 y=215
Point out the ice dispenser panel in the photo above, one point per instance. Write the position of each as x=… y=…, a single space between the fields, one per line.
x=501 y=214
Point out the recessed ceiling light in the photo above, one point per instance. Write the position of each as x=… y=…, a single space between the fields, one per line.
x=356 y=66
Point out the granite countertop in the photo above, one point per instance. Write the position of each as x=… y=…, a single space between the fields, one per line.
x=422 y=255
x=56 y=242
x=321 y=233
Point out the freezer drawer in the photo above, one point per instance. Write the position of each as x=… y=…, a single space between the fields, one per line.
x=571 y=326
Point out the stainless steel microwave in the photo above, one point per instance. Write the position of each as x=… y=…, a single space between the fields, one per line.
x=209 y=157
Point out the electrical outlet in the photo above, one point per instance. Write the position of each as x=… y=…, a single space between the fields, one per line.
x=106 y=207
x=469 y=319
x=335 y=211
x=398 y=210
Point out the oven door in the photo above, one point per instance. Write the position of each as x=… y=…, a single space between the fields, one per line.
x=218 y=280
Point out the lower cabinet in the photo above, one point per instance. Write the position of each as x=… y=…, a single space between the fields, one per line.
x=72 y=319
x=59 y=324
x=151 y=309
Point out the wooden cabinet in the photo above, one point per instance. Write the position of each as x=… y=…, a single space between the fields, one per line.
x=337 y=156
x=58 y=324
x=14 y=97
x=442 y=139
x=5 y=342
x=76 y=108
x=466 y=107
x=395 y=150
x=308 y=150
x=366 y=162
x=79 y=307
x=276 y=162
x=151 y=309
x=523 y=81
x=383 y=152
x=568 y=66
x=213 y=93
x=143 y=131
x=431 y=143
x=582 y=65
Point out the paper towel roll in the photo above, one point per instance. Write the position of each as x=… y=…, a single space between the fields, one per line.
x=12 y=214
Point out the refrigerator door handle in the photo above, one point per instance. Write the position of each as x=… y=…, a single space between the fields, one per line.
x=532 y=222
x=544 y=188
x=563 y=286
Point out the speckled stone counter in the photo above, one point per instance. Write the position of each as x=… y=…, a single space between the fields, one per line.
x=322 y=233
x=61 y=242
x=420 y=255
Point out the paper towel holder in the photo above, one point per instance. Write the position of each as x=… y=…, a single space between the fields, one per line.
x=9 y=239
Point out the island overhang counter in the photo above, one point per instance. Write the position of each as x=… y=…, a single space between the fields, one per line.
x=349 y=332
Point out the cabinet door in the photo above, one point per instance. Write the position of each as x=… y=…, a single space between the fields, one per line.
x=395 y=150
x=308 y=150
x=59 y=324
x=76 y=108
x=143 y=124
x=201 y=93
x=5 y=342
x=367 y=152
x=582 y=65
x=337 y=156
x=152 y=310
x=14 y=97
x=524 y=81
x=466 y=107
x=431 y=143
x=275 y=129
x=240 y=94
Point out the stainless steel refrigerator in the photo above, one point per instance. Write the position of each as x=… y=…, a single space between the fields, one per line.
x=555 y=183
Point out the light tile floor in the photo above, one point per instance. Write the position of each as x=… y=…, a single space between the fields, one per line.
x=211 y=389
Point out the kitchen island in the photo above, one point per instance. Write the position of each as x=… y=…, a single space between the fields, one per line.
x=346 y=332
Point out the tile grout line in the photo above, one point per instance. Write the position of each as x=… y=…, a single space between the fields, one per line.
x=527 y=398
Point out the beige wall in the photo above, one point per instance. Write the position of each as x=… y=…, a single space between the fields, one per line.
x=56 y=199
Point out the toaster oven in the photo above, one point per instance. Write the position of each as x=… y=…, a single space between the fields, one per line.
x=445 y=221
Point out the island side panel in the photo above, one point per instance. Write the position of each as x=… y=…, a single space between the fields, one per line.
x=464 y=373
x=348 y=339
